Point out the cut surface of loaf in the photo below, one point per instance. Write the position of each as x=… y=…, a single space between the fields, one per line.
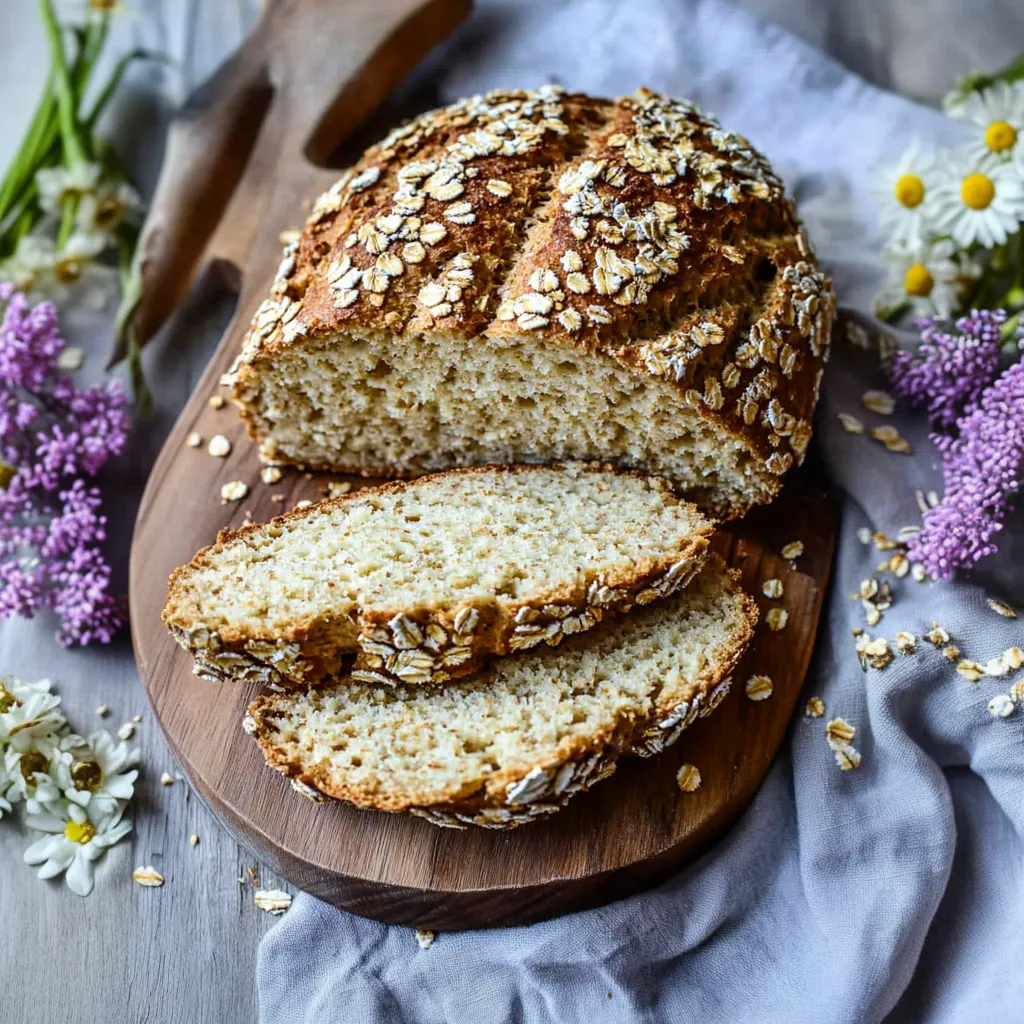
x=514 y=742
x=428 y=579
x=538 y=276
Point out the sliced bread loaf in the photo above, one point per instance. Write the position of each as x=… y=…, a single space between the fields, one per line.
x=514 y=742
x=428 y=579
x=541 y=276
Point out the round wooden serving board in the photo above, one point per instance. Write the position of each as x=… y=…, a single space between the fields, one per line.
x=629 y=832
x=231 y=183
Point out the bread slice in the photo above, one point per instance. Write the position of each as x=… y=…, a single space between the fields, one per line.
x=514 y=742
x=428 y=579
x=543 y=276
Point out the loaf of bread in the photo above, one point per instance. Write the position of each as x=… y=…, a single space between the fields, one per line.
x=539 y=276
x=516 y=741
x=427 y=580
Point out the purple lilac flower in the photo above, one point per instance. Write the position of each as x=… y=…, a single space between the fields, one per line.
x=949 y=370
x=983 y=465
x=52 y=435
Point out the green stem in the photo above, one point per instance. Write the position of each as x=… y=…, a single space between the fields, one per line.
x=66 y=105
x=131 y=292
x=36 y=141
x=68 y=210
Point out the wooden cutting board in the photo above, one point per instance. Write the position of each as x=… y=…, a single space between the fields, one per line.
x=630 y=831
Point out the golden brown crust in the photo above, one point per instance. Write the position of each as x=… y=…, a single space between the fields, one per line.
x=637 y=229
x=513 y=796
x=426 y=644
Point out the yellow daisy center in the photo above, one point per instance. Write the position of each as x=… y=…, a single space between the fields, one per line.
x=79 y=833
x=1000 y=136
x=86 y=775
x=977 y=191
x=31 y=762
x=909 y=190
x=68 y=269
x=918 y=280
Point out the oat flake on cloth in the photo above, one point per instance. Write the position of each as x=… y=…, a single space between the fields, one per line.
x=895 y=891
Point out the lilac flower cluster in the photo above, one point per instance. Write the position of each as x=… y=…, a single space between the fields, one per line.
x=949 y=370
x=52 y=434
x=983 y=456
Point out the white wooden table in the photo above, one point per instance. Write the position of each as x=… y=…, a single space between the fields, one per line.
x=186 y=952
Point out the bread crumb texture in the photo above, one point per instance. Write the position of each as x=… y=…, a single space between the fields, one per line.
x=517 y=740
x=536 y=276
x=426 y=580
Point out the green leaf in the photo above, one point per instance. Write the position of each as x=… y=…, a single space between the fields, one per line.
x=114 y=81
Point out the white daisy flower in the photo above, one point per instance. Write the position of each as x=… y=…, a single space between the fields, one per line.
x=94 y=774
x=104 y=210
x=28 y=713
x=56 y=184
x=998 y=113
x=31 y=264
x=34 y=775
x=978 y=201
x=77 y=839
x=904 y=193
x=928 y=277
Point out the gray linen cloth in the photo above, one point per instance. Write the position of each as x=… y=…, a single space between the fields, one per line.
x=890 y=891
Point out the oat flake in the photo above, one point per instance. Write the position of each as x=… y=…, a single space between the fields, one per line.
x=688 y=778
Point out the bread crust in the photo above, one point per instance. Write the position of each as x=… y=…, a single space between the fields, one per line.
x=635 y=230
x=513 y=797
x=431 y=643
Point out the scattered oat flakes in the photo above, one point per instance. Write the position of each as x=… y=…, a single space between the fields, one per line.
x=759 y=687
x=917 y=571
x=814 y=708
x=148 y=876
x=899 y=565
x=1017 y=690
x=219 y=446
x=273 y=901
x=872 y=615
x=777 y=619
x=890 y=437
x=882 y=542
x=864 y=535
x=234 y=490
x=851 y=424
x=937 y=636
x=1001 y=705
x=103 y=711
x=305 y=503
x=970 y=670
x=166 y=779
x=1001 y=608
x=126 y=732
x=793 y=550
x=847 y=756
x=425 y=937
x=688 y=778
x=1009 y=661
x=906 y=643
x=873 y=653
x=880 y=402
x=194 y=440
x=336 y=488
x=270 y=474
x=277 y=498
x=216 y=401
x=193 y=840
x=952 y=652
x=70 y=358
x=839 y=730
x=772 y=588
x=136 y=719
